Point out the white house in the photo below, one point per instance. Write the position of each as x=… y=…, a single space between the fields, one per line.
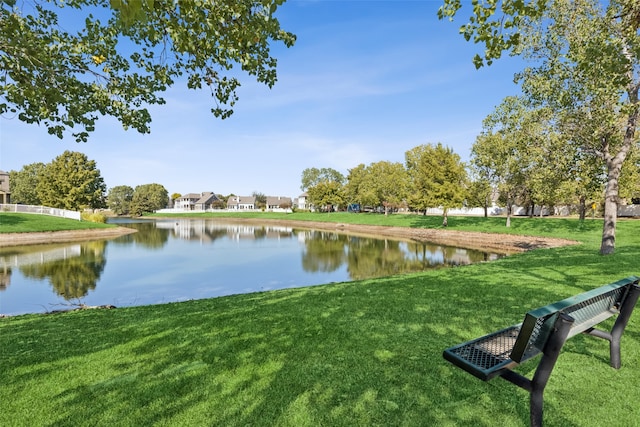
x=241 y=203
x=302 y=201
x=278 y=202
x=196 y=202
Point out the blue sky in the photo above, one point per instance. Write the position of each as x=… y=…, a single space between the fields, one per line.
x=366 y=81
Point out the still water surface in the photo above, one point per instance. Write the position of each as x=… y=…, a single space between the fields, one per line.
x=169 y=260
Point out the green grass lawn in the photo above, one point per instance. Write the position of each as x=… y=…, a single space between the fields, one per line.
x=365 y=353
x=28 y=223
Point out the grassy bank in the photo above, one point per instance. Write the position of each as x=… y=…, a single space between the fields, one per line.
x=347 y=354
x=30 y=223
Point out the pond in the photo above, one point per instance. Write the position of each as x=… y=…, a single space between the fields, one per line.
x=178 y=260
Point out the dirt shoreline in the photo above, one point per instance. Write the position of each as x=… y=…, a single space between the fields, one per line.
x=38 y=238
x=501 y=243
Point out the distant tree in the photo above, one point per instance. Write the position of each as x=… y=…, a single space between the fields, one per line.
x=174 y=197
x=389 y=181
x=219 y=204
x=437 y=178
x=355 y=190
x=493 y=152
x=314 y=176
x=119 y=199
x=381 y=184
x=587 y=182
x=148 y=198
x=522 y=153
x=510 y=152
x=483 y=183
x=72 y=181
x=479 y=194
x=261 y=200
x=24 y=184
x=326 y=195
x=551 y=161
x=64 y=76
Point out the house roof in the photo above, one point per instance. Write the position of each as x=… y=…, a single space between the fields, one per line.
x=206 y=199
x=241 y=200
x=277 y=200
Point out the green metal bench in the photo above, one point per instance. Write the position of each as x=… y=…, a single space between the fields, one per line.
x=544 y=331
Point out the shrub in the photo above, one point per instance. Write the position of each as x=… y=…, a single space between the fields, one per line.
x=94 y=217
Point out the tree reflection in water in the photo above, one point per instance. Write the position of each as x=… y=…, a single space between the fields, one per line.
x=75 y=276
x=367 y=257
x=324 y=251
x=148 y=236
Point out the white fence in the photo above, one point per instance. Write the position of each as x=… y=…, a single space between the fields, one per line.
x=629 y=210
x=461 y=211
x=41 y=210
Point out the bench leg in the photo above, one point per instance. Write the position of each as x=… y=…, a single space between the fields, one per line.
x=536 y=385
x=621 y=324
x=618 y=328
x=549 y=359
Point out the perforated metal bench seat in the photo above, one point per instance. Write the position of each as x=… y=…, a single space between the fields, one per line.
x=487 y=356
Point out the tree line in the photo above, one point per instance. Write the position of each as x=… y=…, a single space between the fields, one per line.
x=72 y=181
x=432 y=176
x=524 y=164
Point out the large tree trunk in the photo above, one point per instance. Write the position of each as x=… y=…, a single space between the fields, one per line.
x=445 y=219
x=610 y=211
x=583 y=207
x=614 y=166
x=509 y=209
x=486 y=207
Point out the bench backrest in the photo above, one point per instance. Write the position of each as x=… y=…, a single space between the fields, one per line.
x=587 y=309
